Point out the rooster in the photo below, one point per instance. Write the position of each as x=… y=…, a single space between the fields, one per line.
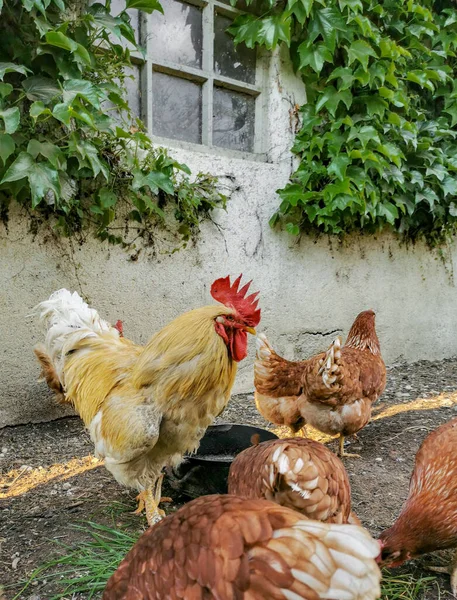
x=229 y=548
x=146 y=406
x=332 y=391
x=428 y=520
x=298 y=473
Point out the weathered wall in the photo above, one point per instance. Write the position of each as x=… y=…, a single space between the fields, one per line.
x=310 y=291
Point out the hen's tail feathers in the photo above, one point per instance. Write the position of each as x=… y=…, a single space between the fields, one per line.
x=330 y=364
x=263 y=353
x=69 y=320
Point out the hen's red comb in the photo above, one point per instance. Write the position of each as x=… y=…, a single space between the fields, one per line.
x=230 y=295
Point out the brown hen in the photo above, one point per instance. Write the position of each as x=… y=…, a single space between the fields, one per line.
x=428 y=520
x=333 y=391
x=229 y=548
x=297 y=473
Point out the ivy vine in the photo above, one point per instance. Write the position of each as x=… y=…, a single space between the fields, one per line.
x=70 y=150
x=377 y=139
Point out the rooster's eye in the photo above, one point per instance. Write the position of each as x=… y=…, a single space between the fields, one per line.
x=229 y=318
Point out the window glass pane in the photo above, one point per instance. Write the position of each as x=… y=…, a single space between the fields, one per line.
x=133 y=90
x=239 y=62
x=177 y=34
x=117 y=6
x=233 y=120
x=132 y=98
x=176 y=108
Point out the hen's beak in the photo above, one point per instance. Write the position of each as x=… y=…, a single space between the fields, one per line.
x=250 y=330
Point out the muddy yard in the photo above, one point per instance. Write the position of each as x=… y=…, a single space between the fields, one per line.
x=50 y=482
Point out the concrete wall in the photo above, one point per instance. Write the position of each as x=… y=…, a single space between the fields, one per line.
x=310 y=290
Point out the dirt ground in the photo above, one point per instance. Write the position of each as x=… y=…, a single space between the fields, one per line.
x=49 y=480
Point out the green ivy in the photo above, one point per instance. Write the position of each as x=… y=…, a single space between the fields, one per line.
x=377 y=141
x=69 y=148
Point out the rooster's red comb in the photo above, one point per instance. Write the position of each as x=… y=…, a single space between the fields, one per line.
x=231 y=296
x=120 y=327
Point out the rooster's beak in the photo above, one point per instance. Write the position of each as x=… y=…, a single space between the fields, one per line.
x=250 y=330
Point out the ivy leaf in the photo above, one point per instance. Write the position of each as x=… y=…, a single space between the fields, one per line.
x=147 y=6
x=375 y=105
x=37 y=109
x=291 y=194
x=107 y=198
x=273 y=29
x=12 y=68
x=326 y=22
x=62 y=113
x=387 y=210
x=392 y=152
x=314 y=56
x=421 y=79
x=453 y=209
x=301 y=9
x=7 y=147
x=155 y=180
x=50 y=151
x=361 y=51
x=88 y=151
x=438 y=170
x=346 y=76
x=5 y=90
x=417 y=179
x=59 y=40
x=365 y=134
x=245 y=28
x=41 y=177
x=84 y=89
x=330 y=98
x=449 y=186
x=39 y=88
x=338 y=166
x=11 y=118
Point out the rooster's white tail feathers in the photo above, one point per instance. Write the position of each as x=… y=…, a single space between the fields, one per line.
x=69 y=319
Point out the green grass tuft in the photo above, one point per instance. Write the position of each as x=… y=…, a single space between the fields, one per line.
x=85 y=569
x=405 y=586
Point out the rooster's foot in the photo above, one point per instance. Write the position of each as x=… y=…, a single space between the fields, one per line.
x=146 y=502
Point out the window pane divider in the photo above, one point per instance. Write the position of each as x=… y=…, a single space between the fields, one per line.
x=207 y=65
x=146 y=72
x=236 y=85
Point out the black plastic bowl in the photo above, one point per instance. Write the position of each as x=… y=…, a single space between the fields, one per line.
x=206 y=471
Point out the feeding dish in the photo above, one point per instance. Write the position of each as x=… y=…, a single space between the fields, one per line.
x=206 y=471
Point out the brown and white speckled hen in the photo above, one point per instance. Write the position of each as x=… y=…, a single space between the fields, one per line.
x=297 y=473
x=229 y=548
x=333 y=391
x=428 y=520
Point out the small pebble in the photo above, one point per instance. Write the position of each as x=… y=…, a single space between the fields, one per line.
x=66 y=486
x=4 y=449
x=378 y=459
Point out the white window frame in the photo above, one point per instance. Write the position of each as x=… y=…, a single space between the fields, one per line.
x=208 y=78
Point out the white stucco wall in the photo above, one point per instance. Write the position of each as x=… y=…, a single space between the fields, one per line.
x=310 y=290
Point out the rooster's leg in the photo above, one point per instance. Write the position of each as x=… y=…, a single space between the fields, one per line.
x=342 y=453
x=158 y=498
x=146 y=501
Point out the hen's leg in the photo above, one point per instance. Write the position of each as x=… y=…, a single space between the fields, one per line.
x=342 y=453
x=449 y=570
